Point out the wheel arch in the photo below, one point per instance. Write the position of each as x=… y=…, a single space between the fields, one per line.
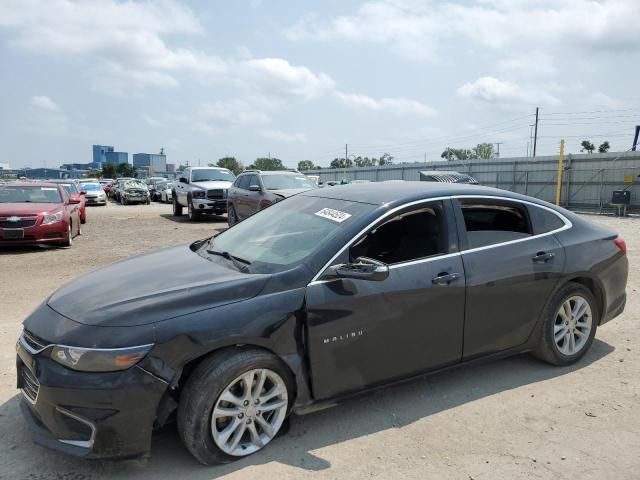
x=593 y=284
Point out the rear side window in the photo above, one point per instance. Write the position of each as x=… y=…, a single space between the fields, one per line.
x=544 y=221
x=488 y=222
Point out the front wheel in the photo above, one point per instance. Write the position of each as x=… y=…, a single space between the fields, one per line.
x=569 y=326
x=233 y=404
x=192 y=214
x=232 y=218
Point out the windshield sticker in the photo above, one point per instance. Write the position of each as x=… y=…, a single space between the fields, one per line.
x=48 y=189
x=335 y=215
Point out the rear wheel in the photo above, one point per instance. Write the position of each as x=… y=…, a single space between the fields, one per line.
x=569 y=325
x=177 y=208
x=234 y=404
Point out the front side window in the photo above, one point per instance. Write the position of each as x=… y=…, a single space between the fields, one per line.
x=411 y=235
x=243 y=182
x=489 y=221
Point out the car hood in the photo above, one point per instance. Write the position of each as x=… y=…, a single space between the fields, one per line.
x=289 y=192
x=213 y=184
x=138 y=291
x=25 y=208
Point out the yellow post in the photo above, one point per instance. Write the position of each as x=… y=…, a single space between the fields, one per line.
x=560 y=173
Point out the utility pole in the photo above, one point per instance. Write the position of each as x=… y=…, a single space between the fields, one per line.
x=497 y=144
x=535 y=137
x=560 y=172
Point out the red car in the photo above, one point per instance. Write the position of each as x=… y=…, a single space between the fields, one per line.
x=37 y=213
x=74 y=192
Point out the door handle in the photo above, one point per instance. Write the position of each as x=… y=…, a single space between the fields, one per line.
x=445 y=278
x=542 y=257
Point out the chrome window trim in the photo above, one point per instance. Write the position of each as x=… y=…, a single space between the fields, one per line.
x=565 y=220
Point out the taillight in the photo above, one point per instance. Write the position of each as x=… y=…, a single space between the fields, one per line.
x=621 y=244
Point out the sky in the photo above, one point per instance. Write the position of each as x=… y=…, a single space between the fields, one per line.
x=299 y=80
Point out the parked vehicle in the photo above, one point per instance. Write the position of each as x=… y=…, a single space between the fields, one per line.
x=164 y=190
x=94 y=194
x=202 y=190
x=447 y=176
x=77 y=195
x=255 y=190
x=114 y=192
x=133 y=191
x=323 y=295
x=37 y=213
x=152 y=183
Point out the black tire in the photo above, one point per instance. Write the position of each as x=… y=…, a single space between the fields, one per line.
x=69 y=240
x=177 y=208
x=83 y=220
x=192 y=215
x=547 y=349
x=123 y=201
x=232 y=217
x=204 y=386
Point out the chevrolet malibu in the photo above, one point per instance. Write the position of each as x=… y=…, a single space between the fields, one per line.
x=38 y=213
x=289 y=310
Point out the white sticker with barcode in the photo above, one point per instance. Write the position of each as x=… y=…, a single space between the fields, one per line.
x=335 y=215
x=48 y=189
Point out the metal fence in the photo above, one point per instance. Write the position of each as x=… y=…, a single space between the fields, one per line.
x=588 y=181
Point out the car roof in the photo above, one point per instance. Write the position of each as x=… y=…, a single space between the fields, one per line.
x=271 y=172
x=400 y=192
x=30 y=184
x=208 y=168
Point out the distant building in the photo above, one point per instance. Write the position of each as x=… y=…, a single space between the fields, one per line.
x=117 y=157
x=37 y=173
x=4 y=166
x=154 y=162
x=100 y=153
x=171 y=167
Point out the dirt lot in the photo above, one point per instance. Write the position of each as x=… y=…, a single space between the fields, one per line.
x=516 y=418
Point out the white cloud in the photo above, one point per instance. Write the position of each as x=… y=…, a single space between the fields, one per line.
x=398 y=106
x=45 y=103
x=494 y=90
x=600 y=99
x=283 y=136
x=417 y=28
x=224 y=114
x=528 y=64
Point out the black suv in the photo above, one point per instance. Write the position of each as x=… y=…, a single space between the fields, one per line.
x=255 y=190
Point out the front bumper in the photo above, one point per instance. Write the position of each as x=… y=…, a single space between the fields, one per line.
x=51 y=233
x=96 y=200
x=93 y=415
x=205 y=205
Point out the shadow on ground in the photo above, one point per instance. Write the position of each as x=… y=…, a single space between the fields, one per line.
x=202 y=219
x=390 y=408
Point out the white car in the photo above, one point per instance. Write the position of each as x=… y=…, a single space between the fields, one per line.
x=165 y=192
x=94 y=193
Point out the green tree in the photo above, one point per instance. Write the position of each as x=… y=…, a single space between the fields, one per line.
x=230 y=163
x=109 y=170
x=483 y=150
x=385 y=159
x=587 y=146
x=125 y=170
x=306 y=165
x=604 y=147
x=341 y=163
x=267 y=164
x=457 y=154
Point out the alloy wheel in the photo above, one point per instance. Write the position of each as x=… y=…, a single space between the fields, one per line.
x=572 y=325
x=249 y=412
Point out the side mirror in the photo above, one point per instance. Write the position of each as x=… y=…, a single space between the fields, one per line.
x=254 y=188
x=74 y=201
x=362 y=269
x=183 y=180
x=83 y=192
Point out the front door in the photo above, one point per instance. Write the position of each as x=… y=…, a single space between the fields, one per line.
x=363 y=333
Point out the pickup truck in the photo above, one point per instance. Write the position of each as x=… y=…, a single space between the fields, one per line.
x=201 y=190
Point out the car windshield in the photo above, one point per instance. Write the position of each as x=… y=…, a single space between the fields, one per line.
x=285 y=234
x=208 y=175
x=19 y=194
x=134 y=184
x=284 y=182
x=90 y=187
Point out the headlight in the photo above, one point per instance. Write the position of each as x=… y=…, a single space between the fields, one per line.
x=199 y=194
x=52 y=218
x=97 y=359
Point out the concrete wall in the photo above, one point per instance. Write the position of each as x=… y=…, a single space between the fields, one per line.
x=588 y=180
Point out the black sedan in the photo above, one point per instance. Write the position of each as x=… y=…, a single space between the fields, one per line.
x=323 y=295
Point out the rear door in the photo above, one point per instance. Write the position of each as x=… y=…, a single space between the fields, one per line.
x=364 y=333
x=511 y=271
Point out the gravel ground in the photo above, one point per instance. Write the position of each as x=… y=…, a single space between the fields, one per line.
x=515 y=418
